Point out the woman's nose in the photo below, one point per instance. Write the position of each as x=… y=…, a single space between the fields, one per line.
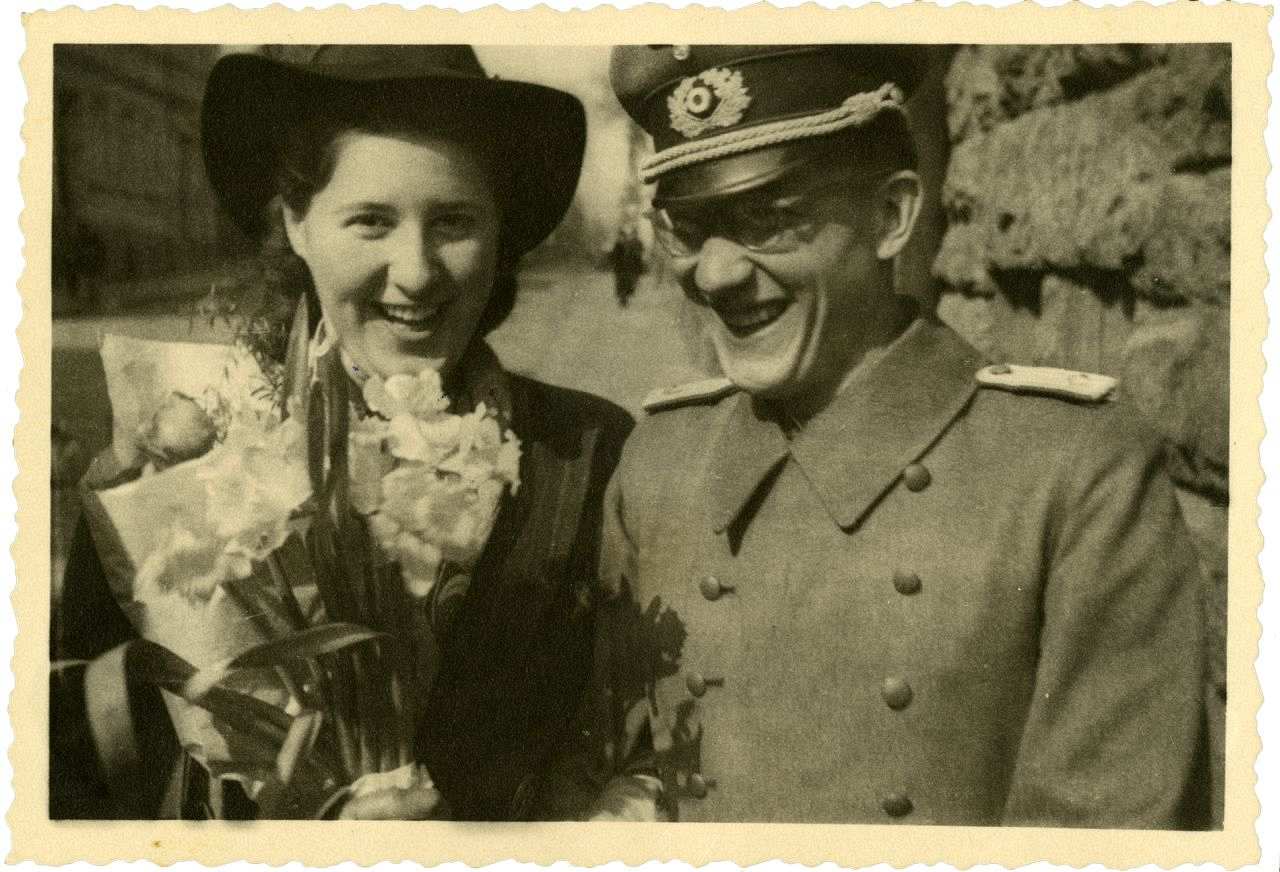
x=723 y=266
x=411 y=263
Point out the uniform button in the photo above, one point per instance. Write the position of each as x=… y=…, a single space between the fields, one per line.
x=713 y=588
x=917 y=477
x=906 y=583
x=698 y=683
x=697 y=785
x=896 y=804
x=896 y=692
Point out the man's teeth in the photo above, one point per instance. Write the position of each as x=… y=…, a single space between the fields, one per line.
x=756 y=316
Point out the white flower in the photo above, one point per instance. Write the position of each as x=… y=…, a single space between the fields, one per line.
x=418 y=395
x=257 y=483
x=384 y=529
x=426 y=441
x=190 y=564
x=419 y=563
x=401 y=490
x=442 y=478
x=179 y=430
x=252 y=485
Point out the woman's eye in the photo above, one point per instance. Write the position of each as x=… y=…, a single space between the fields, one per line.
x=369 y=223
x=454 y=225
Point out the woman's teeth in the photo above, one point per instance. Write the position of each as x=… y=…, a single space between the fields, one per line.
x=742 y=322
x=410 y=316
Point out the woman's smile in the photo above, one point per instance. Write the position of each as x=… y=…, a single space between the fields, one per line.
x=411 y=320
x=402 y=247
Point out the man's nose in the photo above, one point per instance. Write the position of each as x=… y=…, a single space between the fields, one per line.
x=722 y=267
x=411 y=262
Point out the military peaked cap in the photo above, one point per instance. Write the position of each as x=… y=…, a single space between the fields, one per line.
x=727 y=118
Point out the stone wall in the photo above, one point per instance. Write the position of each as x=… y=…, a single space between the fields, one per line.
x=1088 y=226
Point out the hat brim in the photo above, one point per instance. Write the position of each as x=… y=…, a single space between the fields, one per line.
x=252 y=102
x=728 y=176
x=714 y=180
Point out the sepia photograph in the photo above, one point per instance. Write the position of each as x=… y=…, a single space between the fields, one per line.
x=821 y=432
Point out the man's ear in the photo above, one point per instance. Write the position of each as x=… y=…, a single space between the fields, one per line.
x=293 y=231
x=899 y=204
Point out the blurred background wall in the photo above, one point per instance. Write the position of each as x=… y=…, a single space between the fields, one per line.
x=130 y=201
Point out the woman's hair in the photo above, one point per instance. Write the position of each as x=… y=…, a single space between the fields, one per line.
x=309 y=153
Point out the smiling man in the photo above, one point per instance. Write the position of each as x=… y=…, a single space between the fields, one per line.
x=868 y=576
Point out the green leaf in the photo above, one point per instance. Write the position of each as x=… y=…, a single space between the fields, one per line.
x=250 y=770
x=147 y=662
x=304 y=644
x=246 y=713
x=311 y=642
x=298 y=743
x=323 y=556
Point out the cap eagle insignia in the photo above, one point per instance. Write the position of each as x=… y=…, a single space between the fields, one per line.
x=713 y=98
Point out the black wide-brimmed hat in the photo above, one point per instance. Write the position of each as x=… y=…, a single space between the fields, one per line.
x=251 y=104
x=730 y=118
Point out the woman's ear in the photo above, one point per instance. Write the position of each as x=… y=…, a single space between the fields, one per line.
x=899 y=198
x=293 y=230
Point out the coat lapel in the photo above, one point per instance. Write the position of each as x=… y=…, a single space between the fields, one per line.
x=747 y=448
x=856 y=448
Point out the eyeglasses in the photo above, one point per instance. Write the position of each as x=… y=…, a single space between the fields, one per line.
x=764 y=225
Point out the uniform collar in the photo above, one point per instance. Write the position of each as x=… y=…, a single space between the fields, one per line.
x=855 y=449
x=749 y=448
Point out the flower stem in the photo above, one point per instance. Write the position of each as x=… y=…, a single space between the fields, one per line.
x=344 y=724
x=292 y=609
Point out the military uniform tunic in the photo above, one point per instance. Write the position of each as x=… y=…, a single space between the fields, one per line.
x=935 y=603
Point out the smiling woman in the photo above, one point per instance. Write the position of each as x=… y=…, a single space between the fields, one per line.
x=401 y=243
x=454 y=509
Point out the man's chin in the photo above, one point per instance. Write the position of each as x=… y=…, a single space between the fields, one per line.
x=766 y=375
x=766 y=380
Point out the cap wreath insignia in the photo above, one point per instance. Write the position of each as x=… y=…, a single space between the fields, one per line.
x=713 y=98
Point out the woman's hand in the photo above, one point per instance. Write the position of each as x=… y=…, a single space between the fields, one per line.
x=418 y=803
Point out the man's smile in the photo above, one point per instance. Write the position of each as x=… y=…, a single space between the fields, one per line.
x=743 y=321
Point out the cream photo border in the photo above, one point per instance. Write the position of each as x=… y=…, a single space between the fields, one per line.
x=34 y=837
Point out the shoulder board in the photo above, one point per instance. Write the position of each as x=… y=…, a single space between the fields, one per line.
x=1069 y=384
x=707 y=390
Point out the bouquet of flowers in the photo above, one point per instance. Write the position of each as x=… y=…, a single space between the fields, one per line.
x=276 y=559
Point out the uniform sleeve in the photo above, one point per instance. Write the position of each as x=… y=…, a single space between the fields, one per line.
x=608 y=772
x=1114 y=735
